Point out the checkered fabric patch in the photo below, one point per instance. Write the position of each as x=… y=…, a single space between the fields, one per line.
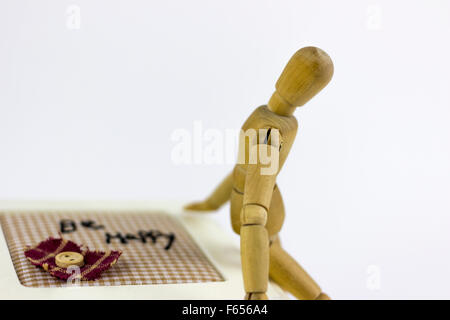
x=156 y=247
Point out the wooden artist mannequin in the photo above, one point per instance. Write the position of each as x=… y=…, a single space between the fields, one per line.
x=257 y=210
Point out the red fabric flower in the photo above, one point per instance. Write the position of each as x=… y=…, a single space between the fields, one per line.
x=95 y=262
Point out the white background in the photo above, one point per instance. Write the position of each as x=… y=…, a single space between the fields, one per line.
x=88 y=113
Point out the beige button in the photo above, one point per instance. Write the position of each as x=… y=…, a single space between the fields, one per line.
x=69 y=258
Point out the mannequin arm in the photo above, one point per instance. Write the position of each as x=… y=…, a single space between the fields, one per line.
x=218 y=197
x=254 y=237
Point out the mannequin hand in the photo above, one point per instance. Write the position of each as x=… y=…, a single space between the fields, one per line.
x=201 y=206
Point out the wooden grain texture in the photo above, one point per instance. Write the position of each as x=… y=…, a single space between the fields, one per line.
x=285 y=271
x=257 y=209
x=258 y=185
x=307 y=72
x=255 y=257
